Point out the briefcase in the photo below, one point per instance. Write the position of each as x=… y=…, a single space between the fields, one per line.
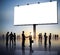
x=32 y=41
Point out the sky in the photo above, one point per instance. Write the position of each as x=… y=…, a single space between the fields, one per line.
x=7 y=18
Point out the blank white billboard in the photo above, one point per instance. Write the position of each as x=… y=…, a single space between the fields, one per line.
x=36 y=13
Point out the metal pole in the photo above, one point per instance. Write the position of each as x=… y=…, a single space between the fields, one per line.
x=34 y=31
x=50 y=0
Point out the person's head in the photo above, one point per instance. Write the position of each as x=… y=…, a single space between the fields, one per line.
x=11 y=32
x=57 y=35
x=45 y=33
x=50 y=33
x=22 y=31
x=14 y=33
x=7 y=32
x=30 y=33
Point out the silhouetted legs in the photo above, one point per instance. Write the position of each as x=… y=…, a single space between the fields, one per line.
x=45 y=41
x=11 y=41
x=49 y=41
x=49 y=44
x=23 y=43
x=14 y=38
x=7 y=36
x=40 y=37
x=45 y=44
x=23 y=39
x=11 y=38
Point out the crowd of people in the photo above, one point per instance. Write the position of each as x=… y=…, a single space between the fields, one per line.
x=10 y=38
x=45 y=38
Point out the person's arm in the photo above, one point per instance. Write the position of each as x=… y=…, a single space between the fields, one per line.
x=27 y=37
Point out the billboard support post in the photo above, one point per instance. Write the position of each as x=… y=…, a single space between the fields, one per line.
x=34 y=31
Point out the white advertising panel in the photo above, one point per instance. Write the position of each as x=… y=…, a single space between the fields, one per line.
x=36 y=13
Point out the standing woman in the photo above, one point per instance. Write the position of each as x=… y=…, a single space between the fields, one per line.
x=23 y=39
x=14 y=38
x=7 y=36
x=30 y=39
x=50 y=40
